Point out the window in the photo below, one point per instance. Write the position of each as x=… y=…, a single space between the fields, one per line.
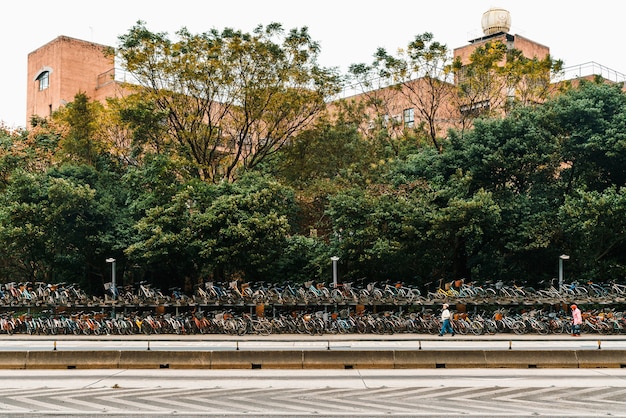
x=475 y=109
x=44 y=80
x=409 y=118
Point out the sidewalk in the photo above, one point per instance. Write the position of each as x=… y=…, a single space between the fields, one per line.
x=215 y=342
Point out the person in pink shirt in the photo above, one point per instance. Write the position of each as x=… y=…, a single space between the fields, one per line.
x=577 y=320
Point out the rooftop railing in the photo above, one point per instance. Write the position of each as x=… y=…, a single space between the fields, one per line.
x=573 y=72
x=591 y=68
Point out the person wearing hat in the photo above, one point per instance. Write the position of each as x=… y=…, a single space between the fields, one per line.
x=577 y=320
x=446 y=325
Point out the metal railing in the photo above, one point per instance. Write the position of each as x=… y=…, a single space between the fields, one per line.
x=573 y=72
x=117 y=75
x=591 y=68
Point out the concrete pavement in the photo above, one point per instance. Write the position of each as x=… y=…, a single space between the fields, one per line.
x=306 y=342
x=319 y=393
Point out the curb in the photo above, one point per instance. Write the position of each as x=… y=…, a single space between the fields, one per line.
x=313 y=359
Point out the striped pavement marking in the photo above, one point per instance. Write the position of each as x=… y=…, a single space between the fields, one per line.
x=338 y=402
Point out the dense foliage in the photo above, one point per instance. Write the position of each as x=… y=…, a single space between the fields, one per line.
x=500 y=201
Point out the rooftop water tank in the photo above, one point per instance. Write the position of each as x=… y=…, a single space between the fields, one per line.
x=496 y=20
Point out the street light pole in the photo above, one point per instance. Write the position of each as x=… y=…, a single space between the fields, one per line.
x=113 y=287
x=334 y=259
x=561 y=258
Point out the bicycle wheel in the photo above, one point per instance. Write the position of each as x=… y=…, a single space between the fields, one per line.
x=476 y=327
x=241 y=327
x=361 y=326
x=490 y=327
x=541 y=328
x=518 y=327
x=263 y=328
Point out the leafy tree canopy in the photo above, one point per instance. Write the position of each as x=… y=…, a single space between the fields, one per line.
x=226 y=100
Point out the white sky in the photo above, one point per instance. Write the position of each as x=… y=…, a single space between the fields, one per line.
x=349 y=31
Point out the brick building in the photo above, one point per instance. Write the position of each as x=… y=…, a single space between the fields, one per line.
x=436 y=107
x=496 y=24
x=65 y=66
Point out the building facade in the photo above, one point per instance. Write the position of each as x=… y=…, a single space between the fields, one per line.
x=63 y=67
x=60 y=69
x=496 y=24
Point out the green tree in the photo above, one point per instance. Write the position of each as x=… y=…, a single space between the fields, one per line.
x=419 y=75
x=303 y=259
x=160 y=248
x=590 y=122
x=59 y=226
x=23 y=229
x=594 y=226
x=229 y=99
x=81 y=142
x=517 y=161
x=367 y=233
x=530 y=80
x=497 y=78
x=488 y=201
x=241 y=230
x=15 y=151
x=217 y=231
x=326 y=152
x=509 y=156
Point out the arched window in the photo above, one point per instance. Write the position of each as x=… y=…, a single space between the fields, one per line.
x=44 y=80
x=43 y=77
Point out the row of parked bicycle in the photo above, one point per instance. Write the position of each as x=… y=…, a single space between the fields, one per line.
x=309 y=293
x=314 y=323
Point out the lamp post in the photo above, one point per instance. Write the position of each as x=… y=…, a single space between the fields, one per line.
x=113 y=288
x=561 y=258
x=334 y=259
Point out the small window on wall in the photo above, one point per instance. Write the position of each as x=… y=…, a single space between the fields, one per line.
x=44 y=80
x=409 y=118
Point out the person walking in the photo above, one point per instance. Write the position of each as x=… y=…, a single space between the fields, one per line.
x=446 y=325
x=577 y=320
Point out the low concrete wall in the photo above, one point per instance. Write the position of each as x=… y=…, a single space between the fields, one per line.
x=415 y=359
x=531 y=359
x=313 y=359
x=72 y=359
x=462 y=359
x=601 y=358
x=289 y=359
x=349 y=359
x=164 y=359
x=485 y=359
x=13 y=359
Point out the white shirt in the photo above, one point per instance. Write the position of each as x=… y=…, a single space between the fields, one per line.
x=445 y=314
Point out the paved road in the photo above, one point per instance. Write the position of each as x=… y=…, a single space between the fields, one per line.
x=320 y=393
